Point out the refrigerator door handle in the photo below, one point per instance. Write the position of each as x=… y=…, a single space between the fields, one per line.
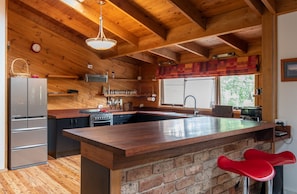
x=27 y=129
x=28 y=146
x=19 y=119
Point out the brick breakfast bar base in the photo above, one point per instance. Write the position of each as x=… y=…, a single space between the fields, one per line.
x=176 y=156
x=190 y=173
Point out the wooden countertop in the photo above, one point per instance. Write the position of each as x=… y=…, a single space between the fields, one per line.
x=66 y=113
x=74 y=113
x=138 y=138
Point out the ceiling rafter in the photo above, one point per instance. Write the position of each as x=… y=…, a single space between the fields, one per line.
x=270 y=5
x=189 y=10
x=256 y=6
x=140 y=17
x=47 y=9
x=285 y=6
x=56 y=14
x=108 y=24
x=144 y=57
x=217 y=25
x=166 y=53
x=195 y=49
x=234 y=42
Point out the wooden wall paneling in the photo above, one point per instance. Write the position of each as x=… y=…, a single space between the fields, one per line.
x=148 y=84
x=60 y=55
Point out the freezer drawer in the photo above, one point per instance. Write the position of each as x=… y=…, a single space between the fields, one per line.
x=22 y=124
x=28 y=138
x=21 y=158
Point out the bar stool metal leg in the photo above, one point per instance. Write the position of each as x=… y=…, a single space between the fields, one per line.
x=270 y=186
x=246 y=183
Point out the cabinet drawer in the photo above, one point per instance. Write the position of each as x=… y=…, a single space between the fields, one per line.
x=28 y=137
x=27 y=157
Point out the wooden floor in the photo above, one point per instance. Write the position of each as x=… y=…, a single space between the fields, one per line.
x=59 y=176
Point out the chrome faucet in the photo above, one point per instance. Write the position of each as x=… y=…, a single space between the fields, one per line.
x=195 y=108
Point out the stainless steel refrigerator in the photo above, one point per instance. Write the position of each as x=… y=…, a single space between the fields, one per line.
x=27 y=122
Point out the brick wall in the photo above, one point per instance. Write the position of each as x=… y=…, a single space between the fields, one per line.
x=191 y=173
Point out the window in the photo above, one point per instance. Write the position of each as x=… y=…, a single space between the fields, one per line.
x=175 y=90
x=237 y=91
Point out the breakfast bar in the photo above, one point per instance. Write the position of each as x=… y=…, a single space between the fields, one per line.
x=164 y=156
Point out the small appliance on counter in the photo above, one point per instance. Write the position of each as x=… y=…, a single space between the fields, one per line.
x=251 y=113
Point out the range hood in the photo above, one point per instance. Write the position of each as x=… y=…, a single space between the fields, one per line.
x=96 y=78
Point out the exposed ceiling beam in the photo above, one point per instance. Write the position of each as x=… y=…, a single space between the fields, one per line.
x=92 y=15
x=234 y=42
x=270 y=5
x=236 y=20
x=285 y=6
x=168 y=54
x=53 y=10
x=256 y=6
x=144 y=57
x=190 y=11
x=195 y=49
x=56 y=14
x=140 y=17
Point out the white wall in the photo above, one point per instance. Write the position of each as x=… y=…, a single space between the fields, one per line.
x=287 y=94
x=2 y=85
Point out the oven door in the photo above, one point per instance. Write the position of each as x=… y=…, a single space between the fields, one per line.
x=100 y=123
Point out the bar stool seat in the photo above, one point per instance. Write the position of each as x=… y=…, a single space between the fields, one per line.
x=275 y=160
x=259 y=170
x=279 y=159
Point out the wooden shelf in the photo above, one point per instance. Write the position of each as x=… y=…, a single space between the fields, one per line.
x=123 y=79
x=126 y=95
x=62 y=76
x=285 y=129
x=62 y=94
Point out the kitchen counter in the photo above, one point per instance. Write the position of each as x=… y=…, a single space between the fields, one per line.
x=124 y=146
x=66 y=113
x=137 y=139
x=75 y=113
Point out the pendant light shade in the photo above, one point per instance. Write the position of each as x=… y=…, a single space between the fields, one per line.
x=101 y=42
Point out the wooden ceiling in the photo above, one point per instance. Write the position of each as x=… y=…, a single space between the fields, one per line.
x=167 y=31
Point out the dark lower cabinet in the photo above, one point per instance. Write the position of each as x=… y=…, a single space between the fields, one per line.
x=122 y=119
x=139 y=117
x=58 y=144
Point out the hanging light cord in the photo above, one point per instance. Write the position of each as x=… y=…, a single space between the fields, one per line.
x=101 y=34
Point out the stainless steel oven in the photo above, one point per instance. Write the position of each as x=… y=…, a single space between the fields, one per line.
x=101 y=119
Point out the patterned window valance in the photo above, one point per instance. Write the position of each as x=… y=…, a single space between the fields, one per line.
x=216 y=67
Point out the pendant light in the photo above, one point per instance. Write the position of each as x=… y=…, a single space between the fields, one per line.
x=101 y=42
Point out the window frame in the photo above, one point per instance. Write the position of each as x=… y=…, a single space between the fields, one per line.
x=217 y=91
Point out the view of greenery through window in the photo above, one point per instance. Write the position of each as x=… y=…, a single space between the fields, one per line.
x=237 y=91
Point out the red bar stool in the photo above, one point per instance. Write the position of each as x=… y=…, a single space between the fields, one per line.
x=259 y=170
x=279 y=159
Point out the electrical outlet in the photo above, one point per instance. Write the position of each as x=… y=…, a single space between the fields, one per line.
x=280 y=122
x=90 y=66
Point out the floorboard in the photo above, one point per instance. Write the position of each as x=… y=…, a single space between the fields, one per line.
x=58 y=176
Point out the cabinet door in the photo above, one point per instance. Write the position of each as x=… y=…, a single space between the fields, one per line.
x=51 y=137
x=122 y=119
x=82 y=122
x=64 y=145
